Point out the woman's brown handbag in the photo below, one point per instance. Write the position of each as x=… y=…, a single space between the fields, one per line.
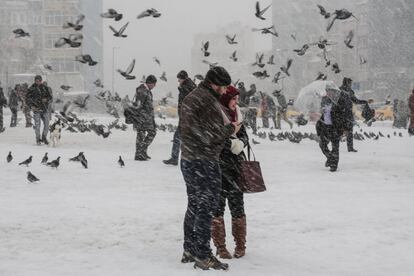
x=250 y=178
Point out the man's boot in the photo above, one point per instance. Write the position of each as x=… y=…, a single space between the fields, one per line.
x=171 y=161
x=239 y=234
x=218 y=234
x=210 y=262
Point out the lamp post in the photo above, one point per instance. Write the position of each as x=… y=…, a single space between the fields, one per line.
x=113 y=68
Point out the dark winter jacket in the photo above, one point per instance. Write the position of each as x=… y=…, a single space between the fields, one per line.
x=351 y=94
x=184 y=89
x=244 y=98
x=38 y=98
x=411 y=103
x=13 y=99
x=341 y=116
x=281 y=99
x=3 y=100
x=268 y=105
x=229 y=162
x=203 y=132
x=144 y=108
x=367 y=112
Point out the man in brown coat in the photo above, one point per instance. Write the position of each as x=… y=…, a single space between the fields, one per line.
x=411 y=105
x=203 y=135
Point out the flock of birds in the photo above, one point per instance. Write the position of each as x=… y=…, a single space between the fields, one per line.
x=297 y=136
x=283 y=71
x=54 y=163
x=75 y=41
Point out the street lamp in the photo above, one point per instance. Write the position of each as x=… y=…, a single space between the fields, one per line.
x=113 y=68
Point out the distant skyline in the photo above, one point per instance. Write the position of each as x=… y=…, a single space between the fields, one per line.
x=171 y=36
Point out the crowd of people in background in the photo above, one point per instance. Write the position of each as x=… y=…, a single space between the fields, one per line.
x=211 y=134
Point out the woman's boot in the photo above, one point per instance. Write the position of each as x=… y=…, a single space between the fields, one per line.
x=218 y=234
x=239 y=234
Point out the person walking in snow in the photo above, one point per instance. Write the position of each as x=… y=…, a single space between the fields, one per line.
x=332 y=125
x=38 y=99
x=14 y=104
x=247 y=103
x=203 y=135
x=186 y=85
x=411 y=106
x=281 y=110
x=3 y=103
x=352 y=99
x=230 y=162
x=22 y=92
x=146 y=129
x=268 y=109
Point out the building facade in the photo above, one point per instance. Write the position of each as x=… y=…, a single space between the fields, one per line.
x=22 y=58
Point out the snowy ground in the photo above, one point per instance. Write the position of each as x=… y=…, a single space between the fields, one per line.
x=112 y=221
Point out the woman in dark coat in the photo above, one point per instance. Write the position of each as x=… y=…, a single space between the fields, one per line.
x=230 y=159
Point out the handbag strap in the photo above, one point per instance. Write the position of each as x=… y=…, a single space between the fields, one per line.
x=249 y=148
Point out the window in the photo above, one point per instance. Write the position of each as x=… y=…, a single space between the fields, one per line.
x=65 y=64
x=50 y=40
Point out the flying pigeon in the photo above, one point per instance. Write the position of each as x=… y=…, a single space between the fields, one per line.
x=231 y=40
x=270 y=30
x=157 y=61
x=163 y=77
x=121 y=31
x=20 y=33
x=285 y=69
x=259 y=13
x=341 y=15
x=111 y=13
x=348 y=39
x=86 y=59
x=259 y=61
x=127 y=73
x=66 y=87
x=150 y=12
x=271 y=60
x=76 y=26
x=233 y=56
x=323 y=12
x=72 y=40
x=204 y=49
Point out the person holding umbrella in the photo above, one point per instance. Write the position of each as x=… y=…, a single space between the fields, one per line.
x=332 y=125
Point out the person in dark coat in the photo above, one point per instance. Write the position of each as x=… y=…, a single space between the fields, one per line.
x=368 y=113
x=268 y=109
x=281 y=110
x=185 y=87
x=14 y=105
x=335 y=122
x=230 y=159
x=352 y=99
x=22 y=93
x=145 y=126
x=38 y=99
x=411 y=106
x=51 y=107
x=247 y=106
x=3 y=103
x=203 y=136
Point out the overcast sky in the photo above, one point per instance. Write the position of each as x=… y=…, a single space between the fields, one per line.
x=169 y=37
